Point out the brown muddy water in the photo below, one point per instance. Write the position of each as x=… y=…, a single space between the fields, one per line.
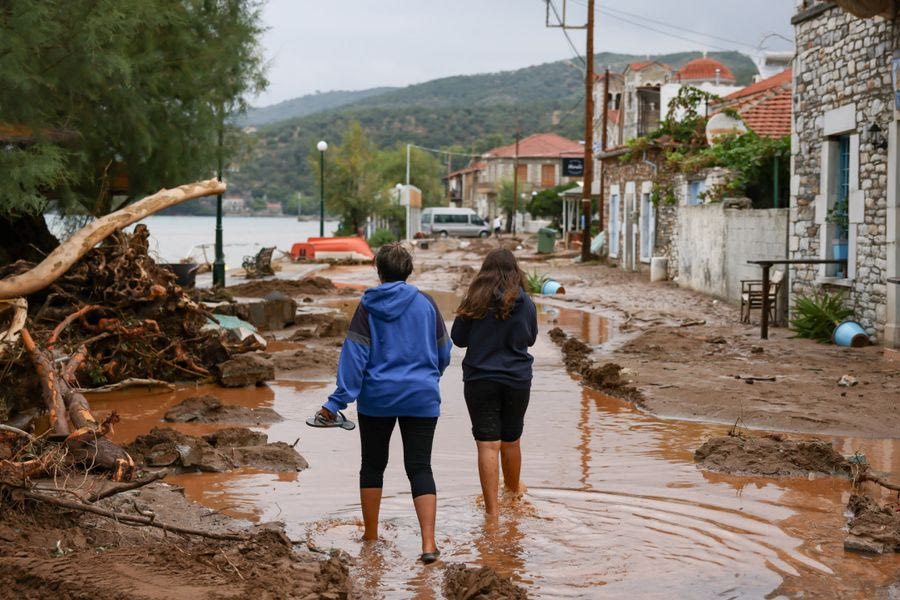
x=615 y=506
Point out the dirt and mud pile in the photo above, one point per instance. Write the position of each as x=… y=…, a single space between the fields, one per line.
x=309 y=286
x=60 y=553
x=473 y=583
x=217 y=452
x=771 y=456
x=113 y=316
x=578 y=360
x=209 y=409
x=873 y=528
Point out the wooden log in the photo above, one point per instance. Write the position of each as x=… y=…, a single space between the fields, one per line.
x=125 y=487
x=67 y=254
x=133 y=519
x=49 y=385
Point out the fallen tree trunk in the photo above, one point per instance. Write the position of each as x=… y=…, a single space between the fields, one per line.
x=49 y=385
x=68 y=253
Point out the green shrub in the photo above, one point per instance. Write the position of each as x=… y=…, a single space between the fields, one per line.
x=380 y=237
x=535 y=282
x=819 y=315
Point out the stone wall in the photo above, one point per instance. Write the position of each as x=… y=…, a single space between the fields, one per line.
x=842 y=84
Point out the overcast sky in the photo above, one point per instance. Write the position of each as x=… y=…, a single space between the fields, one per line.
x=356 y=44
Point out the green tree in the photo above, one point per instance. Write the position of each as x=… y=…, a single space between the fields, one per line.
x=354 y=188
x=426 y=171
x=102 y=92
x=547 y=203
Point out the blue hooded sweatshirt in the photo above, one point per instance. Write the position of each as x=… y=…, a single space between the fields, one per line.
x=395 y=353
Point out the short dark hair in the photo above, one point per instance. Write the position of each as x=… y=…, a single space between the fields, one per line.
x=393 y=262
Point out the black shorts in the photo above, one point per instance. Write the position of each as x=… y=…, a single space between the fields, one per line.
x=497 y=410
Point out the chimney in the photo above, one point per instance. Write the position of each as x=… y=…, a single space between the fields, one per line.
x=718 y=75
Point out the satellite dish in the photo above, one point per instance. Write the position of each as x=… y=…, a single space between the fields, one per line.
x=721 y=125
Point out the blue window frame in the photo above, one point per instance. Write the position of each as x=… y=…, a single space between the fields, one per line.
x=841 y=205
x=695 y=188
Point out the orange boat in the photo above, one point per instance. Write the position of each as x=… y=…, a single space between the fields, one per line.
x=332 y=248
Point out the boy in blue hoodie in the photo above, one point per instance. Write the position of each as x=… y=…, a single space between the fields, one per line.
x=391 y=362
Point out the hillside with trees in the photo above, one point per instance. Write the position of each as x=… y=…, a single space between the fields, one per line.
x=304 y=105
x=467 y=113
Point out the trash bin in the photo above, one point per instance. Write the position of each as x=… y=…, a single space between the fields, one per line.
x=546 y=240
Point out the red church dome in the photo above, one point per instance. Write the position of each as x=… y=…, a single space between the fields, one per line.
x=705 y=69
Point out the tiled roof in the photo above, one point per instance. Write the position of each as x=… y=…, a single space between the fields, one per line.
x=760 y=86
x=539 y=145
x=704 y=69
x=765 y=105
x=476 y=166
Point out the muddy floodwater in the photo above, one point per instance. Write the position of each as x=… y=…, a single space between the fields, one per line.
x=615 y=507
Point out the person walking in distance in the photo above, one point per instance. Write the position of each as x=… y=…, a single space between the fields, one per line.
x=396 y=350
x=498 y=225
x=496 y=323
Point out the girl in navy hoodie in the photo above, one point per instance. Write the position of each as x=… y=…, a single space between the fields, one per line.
x=391 y=362
x=497 y=323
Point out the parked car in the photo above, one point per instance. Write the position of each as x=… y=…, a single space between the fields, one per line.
x=461 y=222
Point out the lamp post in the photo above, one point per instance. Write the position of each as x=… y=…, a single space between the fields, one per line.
x=219 y=263
x=322 y=146
x=399 y=188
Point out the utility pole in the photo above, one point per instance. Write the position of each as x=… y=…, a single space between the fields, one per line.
x=603 y=142
x=515 y=210
x=218 y=269
x=588 y=135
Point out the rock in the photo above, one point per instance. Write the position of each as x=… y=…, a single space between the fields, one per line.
x=219 y=451
x=847 y=381
x=246 y=369
x=209 y=409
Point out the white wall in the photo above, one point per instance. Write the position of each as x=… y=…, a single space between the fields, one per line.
x=715 y=243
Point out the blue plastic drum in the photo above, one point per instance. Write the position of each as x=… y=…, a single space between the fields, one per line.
x=553 y=287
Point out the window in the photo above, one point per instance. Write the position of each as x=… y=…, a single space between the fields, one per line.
x=839 y=208
x=548 y=175
x=695 y=188
x=426 y=219
x=463 y=218
x=648 y=227
x=476 y=220
x=522 y=173
x=614 y=225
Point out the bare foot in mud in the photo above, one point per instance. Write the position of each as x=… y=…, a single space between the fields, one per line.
x=513 y=495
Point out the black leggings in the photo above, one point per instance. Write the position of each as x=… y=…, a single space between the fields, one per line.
x=375 y=438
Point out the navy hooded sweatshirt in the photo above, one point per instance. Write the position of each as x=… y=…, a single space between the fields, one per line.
x=395 y=353
x=497 y=350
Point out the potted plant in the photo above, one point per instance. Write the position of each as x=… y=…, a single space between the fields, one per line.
x=839 y=216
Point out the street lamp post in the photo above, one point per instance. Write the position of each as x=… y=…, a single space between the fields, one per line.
x=219 y=263
x=399 y=188
x=322 y=146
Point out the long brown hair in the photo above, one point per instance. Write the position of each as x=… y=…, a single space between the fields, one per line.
x=496 y=285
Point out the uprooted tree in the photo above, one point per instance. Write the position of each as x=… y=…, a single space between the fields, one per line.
x=89 y=315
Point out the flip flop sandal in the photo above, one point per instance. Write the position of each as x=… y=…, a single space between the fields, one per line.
x=340 y=420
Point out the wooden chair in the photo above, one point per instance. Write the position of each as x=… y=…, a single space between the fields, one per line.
x=752 y=295
x=259 y=265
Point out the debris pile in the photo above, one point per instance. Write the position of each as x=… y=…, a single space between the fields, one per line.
x=113 y=316
x=771 y=456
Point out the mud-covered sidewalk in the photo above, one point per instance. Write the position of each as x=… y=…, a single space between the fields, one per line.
x=688 y=356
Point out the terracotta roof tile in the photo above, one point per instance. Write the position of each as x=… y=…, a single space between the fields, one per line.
x=704 y=69
x=539 y=145
x=765 y=105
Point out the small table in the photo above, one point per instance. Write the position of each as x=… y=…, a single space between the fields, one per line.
x=766 y=264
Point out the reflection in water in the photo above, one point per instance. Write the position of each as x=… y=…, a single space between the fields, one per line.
x=615 y=506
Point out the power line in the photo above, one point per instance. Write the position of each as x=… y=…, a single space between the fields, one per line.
x=617 y=13
x=436 y=151
x=566 y=33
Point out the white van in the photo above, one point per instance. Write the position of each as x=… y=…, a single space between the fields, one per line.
x=461 y=222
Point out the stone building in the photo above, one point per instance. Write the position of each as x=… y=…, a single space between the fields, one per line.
x=844 y=164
